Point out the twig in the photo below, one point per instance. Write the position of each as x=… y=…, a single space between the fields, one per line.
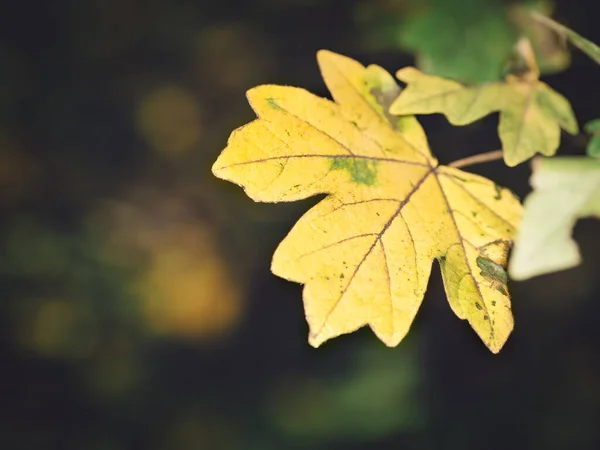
x=477 y=159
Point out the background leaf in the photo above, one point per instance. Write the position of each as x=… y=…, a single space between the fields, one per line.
x=467 y=40
x=531 y=113
x=593 y=147
x=565 y=190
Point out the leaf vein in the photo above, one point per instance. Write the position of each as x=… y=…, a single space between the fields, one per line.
x=372 y=158
x=336 y=243
x=451 y=178
x=462 y=244
x=368 y=252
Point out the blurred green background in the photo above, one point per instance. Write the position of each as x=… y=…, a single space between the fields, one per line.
x=138 y=310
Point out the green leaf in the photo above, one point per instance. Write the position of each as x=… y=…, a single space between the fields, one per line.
x=467 y=40
x=592 y=127
x=583 y=44
x=565 y=189
x=593 y=147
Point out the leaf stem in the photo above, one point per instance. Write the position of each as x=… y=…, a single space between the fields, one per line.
x=477 y=159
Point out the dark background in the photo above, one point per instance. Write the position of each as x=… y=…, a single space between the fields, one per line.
x=138 y=310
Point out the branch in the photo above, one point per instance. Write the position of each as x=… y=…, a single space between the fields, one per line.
x=477 y=159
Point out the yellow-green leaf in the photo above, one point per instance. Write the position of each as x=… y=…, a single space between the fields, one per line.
x=365 y=252
x=531 y=113
x=565 y=189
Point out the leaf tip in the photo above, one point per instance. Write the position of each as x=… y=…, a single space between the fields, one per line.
x=315 y=340
x=495 y=349
x=218 y=167
x=511 y=161
x=407 y=74
x=496 y=344
x=572 y=128
x=325 y=56
x=254 y=94
x=215 y=169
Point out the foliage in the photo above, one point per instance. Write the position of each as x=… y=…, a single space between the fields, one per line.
x=465 y=40
x=565 y=189
x=376 y=398
x=531 y=113
x=364 y=252
x=593 y=128
x=138 y=308
x=390 y=211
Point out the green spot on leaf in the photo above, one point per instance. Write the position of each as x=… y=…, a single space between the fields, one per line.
x=493 y=272
x=361 y=171
x=273 y=104
x=498 y=192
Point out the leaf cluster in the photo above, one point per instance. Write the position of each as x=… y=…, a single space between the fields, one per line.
x=364 y=253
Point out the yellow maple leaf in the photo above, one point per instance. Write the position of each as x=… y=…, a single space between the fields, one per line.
x=365 y=252
x=531 y=113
